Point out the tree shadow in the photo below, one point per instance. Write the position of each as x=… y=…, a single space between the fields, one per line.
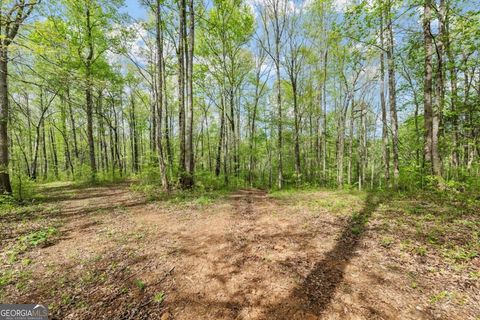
x=314 y=294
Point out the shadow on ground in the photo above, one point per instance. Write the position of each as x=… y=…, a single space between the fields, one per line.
x=314 y=294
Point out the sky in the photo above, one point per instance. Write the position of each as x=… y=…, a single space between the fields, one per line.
x=134 y=9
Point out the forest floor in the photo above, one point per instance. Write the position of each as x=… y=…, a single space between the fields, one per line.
x=107 y=252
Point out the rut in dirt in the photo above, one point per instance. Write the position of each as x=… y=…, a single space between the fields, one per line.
x=245 y=200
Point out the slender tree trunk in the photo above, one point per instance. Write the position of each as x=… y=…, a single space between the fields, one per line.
x=386 y=149
x=350 y=143
x=454 y=95
x=280 y=118
x=220 y=141
x=428 y=94
x=160 y=100
x=5 y=186
x=54 y=152
x=189 y=152
x=34 y=168
x=135 y=160
x=73 y=125
x=297 y=128
x=392 y=95
x=44 y=151
x=167 y=120
x=324 y=98
x=181 y=89
x=89 y=98
x=439 y=91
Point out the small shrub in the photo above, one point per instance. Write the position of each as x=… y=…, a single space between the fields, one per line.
x=40 y=237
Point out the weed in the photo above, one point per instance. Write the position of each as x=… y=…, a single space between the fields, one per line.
x=421 y=251
x=5 y=278
x=386 y=242
x=26 y=261
x=439 y=296
x=203 y=200
x=140 y=284
x=40 y=237
x=159 y=297
x=459 y=254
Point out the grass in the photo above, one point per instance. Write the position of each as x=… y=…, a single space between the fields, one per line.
x=196 y=197
x=159 y=297
x=339 y=202
x=140 y=284
x=443 y=224
x=37 y=238
x=439 y=297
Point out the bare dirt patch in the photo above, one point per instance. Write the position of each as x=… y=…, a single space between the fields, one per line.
x=316 y=255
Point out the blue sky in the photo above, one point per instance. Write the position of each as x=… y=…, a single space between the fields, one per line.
x=134 y=9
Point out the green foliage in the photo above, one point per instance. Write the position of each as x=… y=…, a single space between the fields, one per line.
x=439 y=297
x=159 y=297
x=40 y=237
x=23 y=187
x=140 y=284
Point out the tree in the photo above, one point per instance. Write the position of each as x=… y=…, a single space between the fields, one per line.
x=13 y=14
x=273 y=17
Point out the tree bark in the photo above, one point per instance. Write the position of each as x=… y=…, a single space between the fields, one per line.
x=89 y=98
x=427 y=84
x=5 y=186
x=189 y=152
x=386 y=148
x=181 y=89
x=160 y=100
x=392 y=95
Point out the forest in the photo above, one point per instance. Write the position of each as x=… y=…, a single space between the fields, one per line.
x=241 y=159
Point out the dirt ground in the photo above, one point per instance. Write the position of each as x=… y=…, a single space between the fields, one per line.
x=246 y=255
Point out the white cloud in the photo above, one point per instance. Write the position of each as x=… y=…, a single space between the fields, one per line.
x=341 y=5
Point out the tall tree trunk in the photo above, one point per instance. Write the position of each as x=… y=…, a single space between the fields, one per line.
x=392 y=95
x=350 y=143
x=280 y=118
x=73 y=125
x=89 y=98
x=297 y=127
x=324 y=98
x=133 y=124
x=181 y=88
x=44 y=151
x=439 y=91
x=10 y=24
x=189 y=152
x=454 y=94
x=168 y=145
x=160 y=99
x=386 y=149
x=5 y=186
x=428 y=94
x=220 y=140
x=54 y=152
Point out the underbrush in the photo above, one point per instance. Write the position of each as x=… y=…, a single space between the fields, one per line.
x=435 y=223
x=196 y=196
x=339 y=202
x=444 y=225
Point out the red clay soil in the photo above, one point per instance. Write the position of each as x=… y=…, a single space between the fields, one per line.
x=246 y=256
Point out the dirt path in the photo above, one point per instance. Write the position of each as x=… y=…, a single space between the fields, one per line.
x=247 y=256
